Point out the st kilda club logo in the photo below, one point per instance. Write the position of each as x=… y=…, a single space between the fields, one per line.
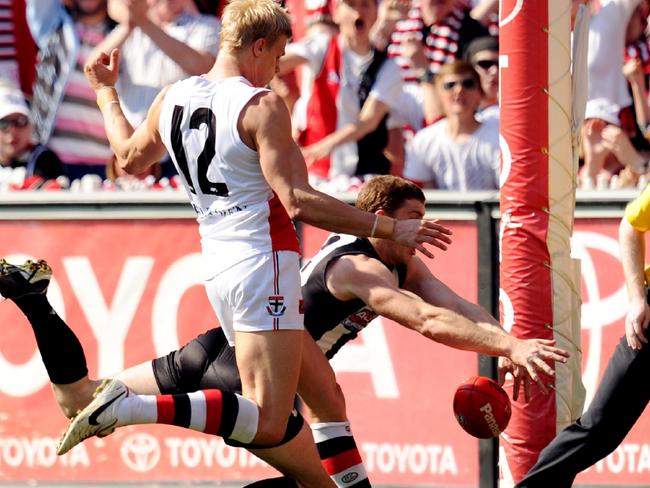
x=276 y=306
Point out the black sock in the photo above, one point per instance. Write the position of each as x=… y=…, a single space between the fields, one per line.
x=60 y=348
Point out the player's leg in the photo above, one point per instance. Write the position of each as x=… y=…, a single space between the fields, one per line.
x=208 y=361
x=269 y=366
x=297 y=459
x=619 y=401
x=331 y=429
x=26 y=285
x=205 y=363
x=263 y=296
x=259 y=294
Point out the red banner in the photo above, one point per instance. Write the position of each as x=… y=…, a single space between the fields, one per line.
x=132 y=290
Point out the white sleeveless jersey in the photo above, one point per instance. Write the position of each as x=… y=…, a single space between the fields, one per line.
x=239 y=216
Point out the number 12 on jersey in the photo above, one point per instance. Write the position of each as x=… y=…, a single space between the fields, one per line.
x=199 y=117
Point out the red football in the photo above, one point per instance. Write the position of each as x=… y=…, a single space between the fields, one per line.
x=482 y=407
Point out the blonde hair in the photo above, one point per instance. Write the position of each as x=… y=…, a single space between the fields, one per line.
x=245 y=21
x=458 y=67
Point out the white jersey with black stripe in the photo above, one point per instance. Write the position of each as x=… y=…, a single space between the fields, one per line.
x=239 y=216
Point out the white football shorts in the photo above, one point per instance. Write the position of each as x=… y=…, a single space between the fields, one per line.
x=261 y=293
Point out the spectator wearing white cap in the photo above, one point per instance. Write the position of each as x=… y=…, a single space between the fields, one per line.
x=16 y=147
x=608 y=95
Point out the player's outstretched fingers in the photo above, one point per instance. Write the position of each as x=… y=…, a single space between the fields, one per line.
x=424 y=251
x=516 y=385
x=526 y=389
x=537 y=362
x=415 y=233
x=548 y=345
x=535 y=377
x=555 y=354
x=438 y=234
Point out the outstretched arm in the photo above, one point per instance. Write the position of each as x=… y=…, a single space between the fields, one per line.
x=266 y=125
x=137 y=149
x=366 y=278
x=424 y=284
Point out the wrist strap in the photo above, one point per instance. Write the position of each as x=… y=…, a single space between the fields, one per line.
x=383 y=227
x=106 y=95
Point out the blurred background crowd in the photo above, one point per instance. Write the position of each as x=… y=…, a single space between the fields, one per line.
x=406 y=87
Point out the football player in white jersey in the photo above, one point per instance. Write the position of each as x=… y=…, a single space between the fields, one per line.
x=230 y=140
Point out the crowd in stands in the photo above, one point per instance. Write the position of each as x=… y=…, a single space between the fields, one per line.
x=407 y=87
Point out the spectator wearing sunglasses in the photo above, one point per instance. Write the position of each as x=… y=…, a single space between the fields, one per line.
x=458 y=152
x=483 y=53
x=16 y=147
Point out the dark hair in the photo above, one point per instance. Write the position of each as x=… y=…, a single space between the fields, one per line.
x=485 y=43
x=387 y=193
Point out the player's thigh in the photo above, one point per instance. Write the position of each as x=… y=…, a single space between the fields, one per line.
x=317 y=385
x=269 y=365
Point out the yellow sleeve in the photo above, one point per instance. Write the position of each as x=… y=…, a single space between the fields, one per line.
x=637 y=211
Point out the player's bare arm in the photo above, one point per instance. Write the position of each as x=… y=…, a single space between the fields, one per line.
x=266 y=126
x=424 y=284
x=632 y=242
x=421 y=281
x=366 y=278
x=137 y=149
x=372 y=112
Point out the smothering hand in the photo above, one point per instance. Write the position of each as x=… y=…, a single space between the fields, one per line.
x=505 y=366
x=532 y=356
x=415 y=233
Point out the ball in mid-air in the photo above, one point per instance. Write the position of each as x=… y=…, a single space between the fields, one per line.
x=482 y=407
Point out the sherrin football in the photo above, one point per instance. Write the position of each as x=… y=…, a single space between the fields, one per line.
x=482 y=407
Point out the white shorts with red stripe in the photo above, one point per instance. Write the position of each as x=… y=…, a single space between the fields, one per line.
x=261 y=293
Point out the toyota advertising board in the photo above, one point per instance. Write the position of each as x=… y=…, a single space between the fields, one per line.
x=131 y=289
